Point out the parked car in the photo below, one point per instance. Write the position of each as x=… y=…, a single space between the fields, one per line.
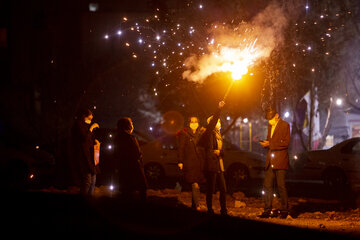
x=24 y=167
x=160 y=160
x=335 y=167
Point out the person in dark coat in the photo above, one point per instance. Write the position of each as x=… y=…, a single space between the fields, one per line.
x=277 y=163
x=211 y=141
x=83 y=142
x=191 y=158
x=129 y=157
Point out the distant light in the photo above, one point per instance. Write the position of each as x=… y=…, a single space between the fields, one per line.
x=157 y=37
x=309 y=48
x=246 y=120
x=287 y=114
x=150 y=128
x=37 y=147
x=93 y=7
x=119 y=32
x=31 y=176
x=94 y=107
x=321 y=16
x=307 y=7
x=109 y=146
x=106 y=36
x=262 y=192
x=274 y=195
x=295 y=157
x=111 y=187
x=200 y=6
x=110 y=135
x=339 y=101
x=140 y=41
x=228 y=118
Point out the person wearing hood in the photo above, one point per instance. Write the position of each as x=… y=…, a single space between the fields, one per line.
x=191 y=158
x=276 y=164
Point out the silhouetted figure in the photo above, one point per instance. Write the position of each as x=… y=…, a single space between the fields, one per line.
x=277 y=163
x=191 y=158
x=212 y=141
x=129 y=158
x=83 y=142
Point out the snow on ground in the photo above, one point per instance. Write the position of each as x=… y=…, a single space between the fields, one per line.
x=346 y=221
x=312 y=213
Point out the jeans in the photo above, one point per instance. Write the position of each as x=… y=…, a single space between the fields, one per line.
x=216 y=179
x=270 y=176
x=88 y=184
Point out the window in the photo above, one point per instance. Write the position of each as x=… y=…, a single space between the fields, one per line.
x=351 y=148
x=356 y=148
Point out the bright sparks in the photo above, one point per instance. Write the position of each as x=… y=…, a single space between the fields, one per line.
x=237 y=61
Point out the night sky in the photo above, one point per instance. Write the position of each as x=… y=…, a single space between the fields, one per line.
x=128 y=58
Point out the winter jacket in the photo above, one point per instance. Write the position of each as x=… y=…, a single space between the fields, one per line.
x=83 y=142
x=209 y=142
x=277 y=156
x=191 y=155
x=129 y=158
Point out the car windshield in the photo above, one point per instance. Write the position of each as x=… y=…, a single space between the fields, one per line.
x=352 y=147
x=356 y=148
x=169 y=142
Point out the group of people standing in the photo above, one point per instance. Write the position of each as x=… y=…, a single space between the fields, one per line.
x=127 y=154
x=200 y=158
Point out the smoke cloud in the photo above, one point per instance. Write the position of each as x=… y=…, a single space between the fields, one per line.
x=229 y=46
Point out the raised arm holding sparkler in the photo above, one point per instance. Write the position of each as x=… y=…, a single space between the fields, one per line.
x=211 y=141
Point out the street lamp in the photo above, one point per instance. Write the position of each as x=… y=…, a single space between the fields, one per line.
x=339 y=102
x=246 y=120
x=287 y=114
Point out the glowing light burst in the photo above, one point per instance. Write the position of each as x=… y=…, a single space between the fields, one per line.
x=237 y=60
x=234 y=58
